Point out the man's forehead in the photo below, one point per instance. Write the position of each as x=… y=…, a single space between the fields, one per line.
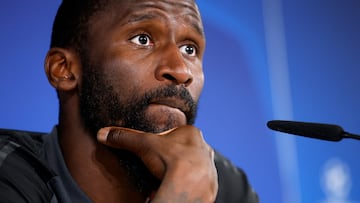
x=184 y=10
x=169 y=6
x=130 y=11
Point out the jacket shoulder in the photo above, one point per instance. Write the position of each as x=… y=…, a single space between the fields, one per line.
x=234 y=186
x=29 y=140
x=23 y=175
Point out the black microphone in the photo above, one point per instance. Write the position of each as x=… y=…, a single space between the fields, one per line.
x=321 y=131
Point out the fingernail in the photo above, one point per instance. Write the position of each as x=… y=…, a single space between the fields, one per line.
x=102 y=134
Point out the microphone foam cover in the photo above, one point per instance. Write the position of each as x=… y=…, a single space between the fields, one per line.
x=314 y=130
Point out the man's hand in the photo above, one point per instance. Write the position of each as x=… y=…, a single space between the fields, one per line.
x=179 y=157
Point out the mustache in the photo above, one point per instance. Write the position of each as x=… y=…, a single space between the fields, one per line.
x=179 y=93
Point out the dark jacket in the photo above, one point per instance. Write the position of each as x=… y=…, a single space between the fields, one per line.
x=25 y=176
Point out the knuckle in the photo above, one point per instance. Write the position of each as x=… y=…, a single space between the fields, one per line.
x=191 y=135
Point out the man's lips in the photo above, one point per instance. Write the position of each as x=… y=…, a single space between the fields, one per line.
x=171 y=102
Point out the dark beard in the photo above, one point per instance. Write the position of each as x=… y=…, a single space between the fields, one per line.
x=102 y=106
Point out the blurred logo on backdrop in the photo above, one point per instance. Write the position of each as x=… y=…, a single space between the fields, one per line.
x=336 y=182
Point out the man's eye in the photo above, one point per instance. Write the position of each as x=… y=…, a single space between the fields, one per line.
x=188 y=50
x=142 y=39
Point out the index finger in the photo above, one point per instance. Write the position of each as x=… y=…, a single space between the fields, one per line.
x=123 y=138
x=140 y=143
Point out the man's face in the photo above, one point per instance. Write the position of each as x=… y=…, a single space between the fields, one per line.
x=143 y=66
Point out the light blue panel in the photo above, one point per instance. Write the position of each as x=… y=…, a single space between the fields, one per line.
x=236 y=101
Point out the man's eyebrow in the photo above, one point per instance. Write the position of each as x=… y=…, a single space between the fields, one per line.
x=138 y=17
x=197 y=27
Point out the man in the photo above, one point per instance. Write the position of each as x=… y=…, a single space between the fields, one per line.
x=128 y=76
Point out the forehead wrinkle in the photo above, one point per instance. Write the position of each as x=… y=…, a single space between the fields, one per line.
x=138 y=17
x=136 y=14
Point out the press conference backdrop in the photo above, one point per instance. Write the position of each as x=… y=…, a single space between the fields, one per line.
x=265 y=59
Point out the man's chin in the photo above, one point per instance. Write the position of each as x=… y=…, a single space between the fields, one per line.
x=164 y=118
x=153 y=120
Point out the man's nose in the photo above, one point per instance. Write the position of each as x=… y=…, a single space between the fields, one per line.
x=173 y=68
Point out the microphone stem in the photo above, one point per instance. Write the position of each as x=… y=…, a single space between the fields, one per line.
x=350 y=135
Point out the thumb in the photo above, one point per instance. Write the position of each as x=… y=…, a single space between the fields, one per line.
x=124 y=138
x=140 y=143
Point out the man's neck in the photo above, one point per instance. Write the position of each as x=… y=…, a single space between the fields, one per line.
x=96 y=169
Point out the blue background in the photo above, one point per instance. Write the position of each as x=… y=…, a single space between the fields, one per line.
x=265 y=59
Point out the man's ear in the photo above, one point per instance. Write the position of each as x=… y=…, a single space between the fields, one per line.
x=62 y=67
